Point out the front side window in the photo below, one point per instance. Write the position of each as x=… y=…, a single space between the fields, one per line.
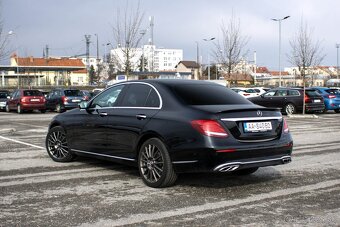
x=270 y=93
x=107 y=98
x=281 y=93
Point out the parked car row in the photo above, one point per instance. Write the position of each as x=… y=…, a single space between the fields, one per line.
x=250 y=92
x=27 y=100
x=290 y=100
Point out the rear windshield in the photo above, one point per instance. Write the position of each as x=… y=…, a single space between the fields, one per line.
x=312 y=93
x=73 y=93
x=199 y=94
x=32 y=93
x=3 y=95
x=333 y=91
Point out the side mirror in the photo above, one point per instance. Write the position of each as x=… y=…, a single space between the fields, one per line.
x=83 y=105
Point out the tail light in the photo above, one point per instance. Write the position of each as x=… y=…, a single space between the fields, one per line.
x=43 y=99
x=306 y=98
x=85 y=98
x=285 y=126
x=331 y=96
x=209 y=128
x=64 y=99
x=23 y=99
x=245 y=94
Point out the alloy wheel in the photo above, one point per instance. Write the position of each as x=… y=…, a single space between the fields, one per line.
x=57 y=145
x=151 y=163
x=290 y=109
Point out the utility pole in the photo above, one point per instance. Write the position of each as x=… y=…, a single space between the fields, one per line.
x=87 y=39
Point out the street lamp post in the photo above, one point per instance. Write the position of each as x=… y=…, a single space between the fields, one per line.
x=337 y=60
x=279 y=20
x=207 y=40
x=17 y=54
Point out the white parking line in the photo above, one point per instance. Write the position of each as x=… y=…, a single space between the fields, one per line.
x=38 y=126
x=17 y=141
x=145 y=217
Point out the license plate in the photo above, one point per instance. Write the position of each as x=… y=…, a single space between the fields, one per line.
x=35 y=100
x=317 y=100
x=75 y=100
x=257 y=126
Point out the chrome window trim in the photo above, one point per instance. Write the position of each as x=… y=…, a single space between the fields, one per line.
x=251 y=118
x=184 y=162
x=104 y=155
x=132 y=107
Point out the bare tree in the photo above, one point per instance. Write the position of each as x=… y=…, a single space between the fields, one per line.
x=4 y=51
x=305 y=52
x=127 y=36
x=230 y=49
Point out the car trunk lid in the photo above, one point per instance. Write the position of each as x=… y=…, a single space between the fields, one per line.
x=248 y=123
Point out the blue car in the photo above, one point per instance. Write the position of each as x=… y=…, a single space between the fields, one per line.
x=331 y=98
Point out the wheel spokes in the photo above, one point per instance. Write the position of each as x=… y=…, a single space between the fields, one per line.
x=151 y=163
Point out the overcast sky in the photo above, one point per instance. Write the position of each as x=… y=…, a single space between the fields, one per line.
x=62 y=25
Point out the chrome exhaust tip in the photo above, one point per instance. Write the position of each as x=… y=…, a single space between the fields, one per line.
x=286 y=159
x=227 y=167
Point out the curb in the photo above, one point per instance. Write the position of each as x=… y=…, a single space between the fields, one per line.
x=302 y=116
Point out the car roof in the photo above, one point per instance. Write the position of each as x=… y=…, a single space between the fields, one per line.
x=171 y=82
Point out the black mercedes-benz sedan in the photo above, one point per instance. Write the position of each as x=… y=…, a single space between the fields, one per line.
x=166 y=127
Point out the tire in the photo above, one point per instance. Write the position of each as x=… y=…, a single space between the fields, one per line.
x=42 y=111
x=7 y=109
x=155 y=165
x=290 y=109
x=337 y=111
x=244 y=172
x=56 y=145
x=19 y=110
x=58 y=108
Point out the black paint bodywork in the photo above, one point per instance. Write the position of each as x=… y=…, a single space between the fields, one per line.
x=117 y=133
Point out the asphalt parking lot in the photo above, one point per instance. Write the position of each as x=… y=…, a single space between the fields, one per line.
x=35 y=191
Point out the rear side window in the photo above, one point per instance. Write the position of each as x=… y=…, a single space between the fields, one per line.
x=207 y=95
x=293 y=93
x=72 y=93
x=140 y=95
x=32 y=93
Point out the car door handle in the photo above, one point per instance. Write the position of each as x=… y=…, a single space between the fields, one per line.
x=103 y=114
x=140 y=116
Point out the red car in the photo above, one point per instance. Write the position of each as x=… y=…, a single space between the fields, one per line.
x=29 y=100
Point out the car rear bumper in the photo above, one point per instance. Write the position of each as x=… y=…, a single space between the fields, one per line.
x=212 y=160
x=69 y=106
x=36 y=106
x=315 y=107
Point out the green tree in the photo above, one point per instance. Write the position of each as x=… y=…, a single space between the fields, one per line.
x=143 y=60
x=93 y=75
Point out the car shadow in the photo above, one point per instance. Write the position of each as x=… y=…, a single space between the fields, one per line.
x=197 y=180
